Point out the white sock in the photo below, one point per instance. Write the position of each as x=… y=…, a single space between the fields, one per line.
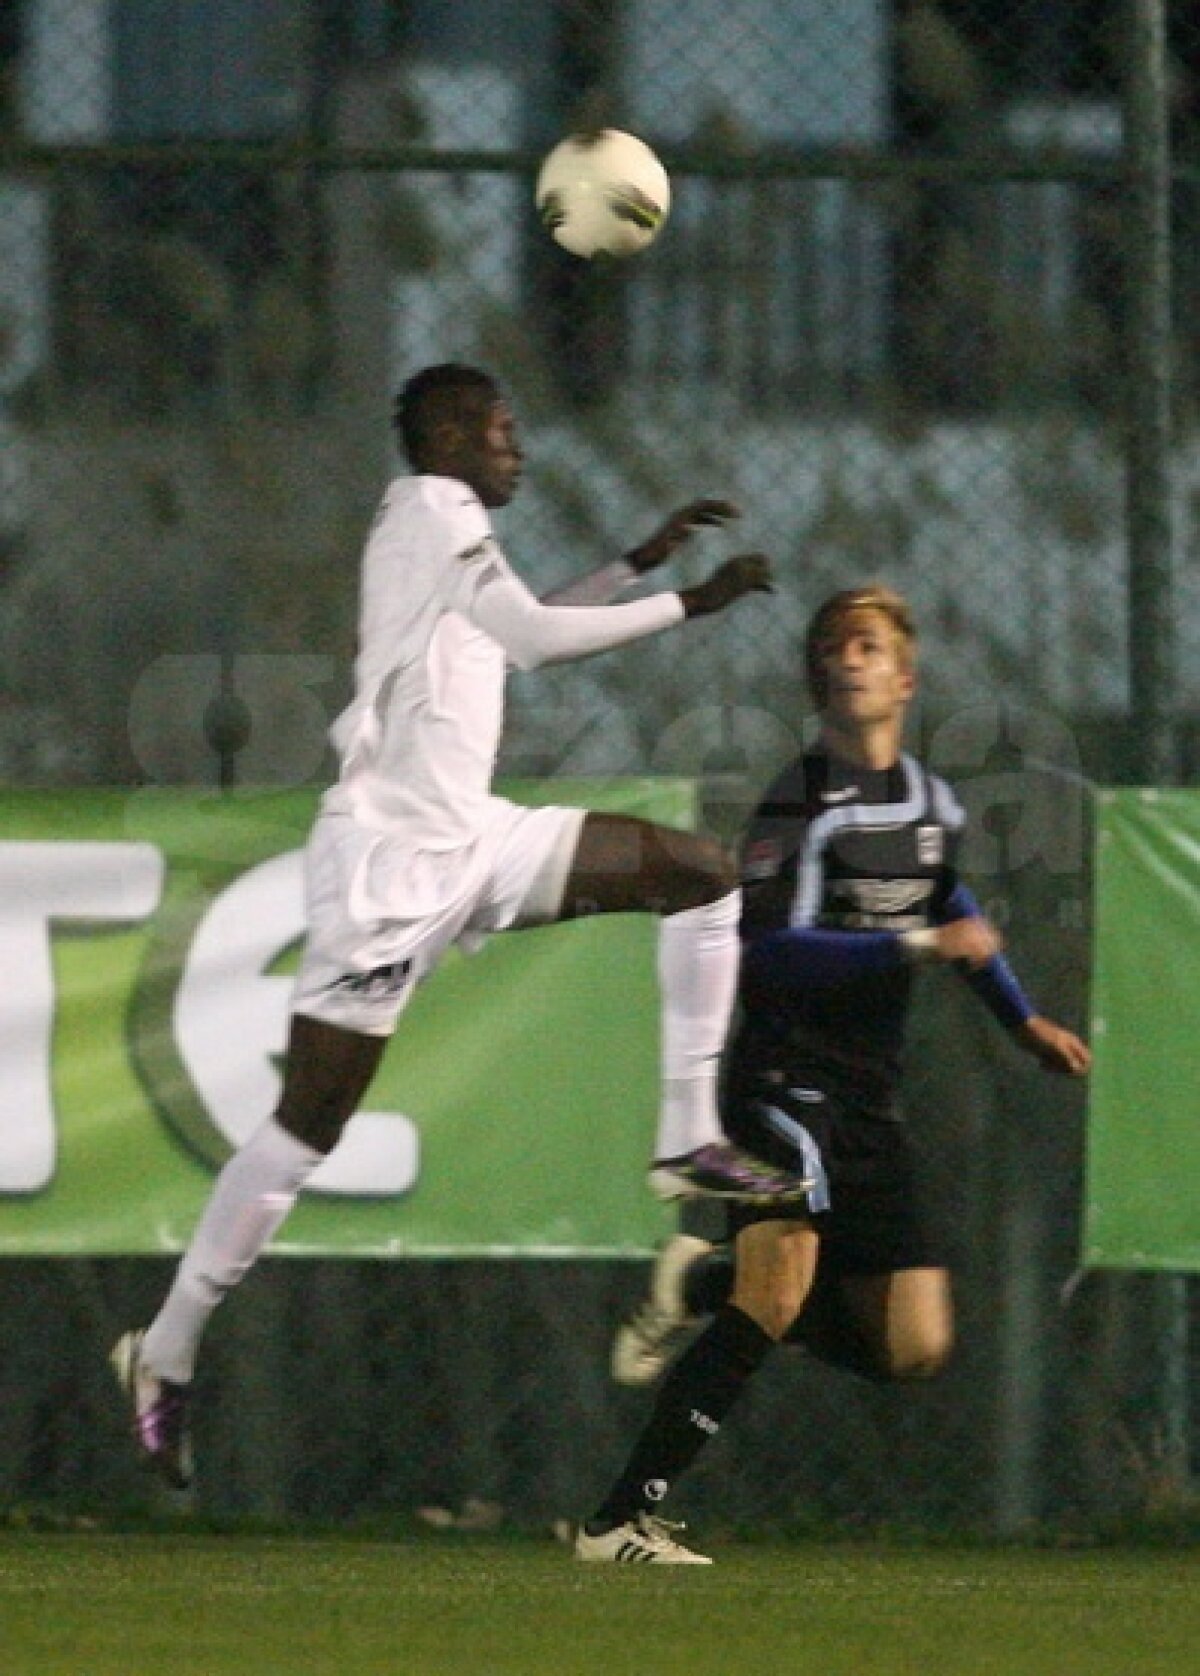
x=698 y=956
x=251 y=1197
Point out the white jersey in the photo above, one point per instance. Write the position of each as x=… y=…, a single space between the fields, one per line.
x=441 y=615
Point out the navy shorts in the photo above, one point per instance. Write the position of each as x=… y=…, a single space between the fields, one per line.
x=867 y=1203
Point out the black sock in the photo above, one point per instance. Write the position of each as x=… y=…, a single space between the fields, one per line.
x=695 y=1397
x=708 y=1281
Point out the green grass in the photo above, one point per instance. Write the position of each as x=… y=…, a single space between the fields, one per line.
x=213 y=1605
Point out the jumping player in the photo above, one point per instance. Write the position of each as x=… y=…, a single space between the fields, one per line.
x=848 y=870
x=412 y=852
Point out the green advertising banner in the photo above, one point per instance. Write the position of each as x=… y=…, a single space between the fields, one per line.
x=148 y=939
x=1143 y=1171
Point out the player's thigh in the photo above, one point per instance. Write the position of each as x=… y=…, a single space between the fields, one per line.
x=528 y=855
x=775 y=1261
x=906 y=1317
x=627 y=865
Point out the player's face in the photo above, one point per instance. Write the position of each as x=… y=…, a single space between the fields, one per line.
x=491 y=456
x=866 y=670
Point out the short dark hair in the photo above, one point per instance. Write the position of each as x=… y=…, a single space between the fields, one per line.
x=449 y=390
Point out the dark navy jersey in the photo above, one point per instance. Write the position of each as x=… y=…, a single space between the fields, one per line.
x=836 y=861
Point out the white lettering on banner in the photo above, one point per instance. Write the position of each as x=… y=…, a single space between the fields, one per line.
x=40 y=883
x=231 y=1016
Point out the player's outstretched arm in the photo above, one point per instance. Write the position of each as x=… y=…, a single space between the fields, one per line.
x=997 y=985
x=533 y=633
x=747 y=573
x=1056 y=1048
x=609 y=581
x=666 y=541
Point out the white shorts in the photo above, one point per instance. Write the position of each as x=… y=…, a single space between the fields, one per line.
x=382 y=912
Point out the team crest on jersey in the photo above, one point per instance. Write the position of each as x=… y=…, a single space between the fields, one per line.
x=762 y=860
x=931 y=846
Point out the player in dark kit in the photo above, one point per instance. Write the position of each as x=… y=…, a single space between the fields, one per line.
x=849 y=883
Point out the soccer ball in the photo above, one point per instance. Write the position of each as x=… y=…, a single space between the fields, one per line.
x=603 y=193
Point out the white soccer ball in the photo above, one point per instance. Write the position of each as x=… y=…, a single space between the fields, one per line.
x=603 y=193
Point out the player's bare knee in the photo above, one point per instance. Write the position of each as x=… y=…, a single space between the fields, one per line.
x=704 y=873
x=915 y=1363
x=721 y=872
x=774 y=1309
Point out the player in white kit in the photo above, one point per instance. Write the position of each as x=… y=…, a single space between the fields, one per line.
x=412 y=852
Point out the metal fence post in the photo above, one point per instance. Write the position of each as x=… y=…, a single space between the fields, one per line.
x=1149 y=360
x=1150 y=514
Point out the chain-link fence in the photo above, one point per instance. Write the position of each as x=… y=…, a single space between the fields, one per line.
x=891 y=316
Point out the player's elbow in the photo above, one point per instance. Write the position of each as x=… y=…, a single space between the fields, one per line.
x=526 y=658
x=528 y=645
x=535 y=641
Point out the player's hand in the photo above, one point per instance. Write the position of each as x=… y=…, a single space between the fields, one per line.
x=971 y=942
x=665 y=542
x=1057 y=1049
x=748 y=573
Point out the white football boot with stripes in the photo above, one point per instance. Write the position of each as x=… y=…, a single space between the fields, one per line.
x=642 y=1540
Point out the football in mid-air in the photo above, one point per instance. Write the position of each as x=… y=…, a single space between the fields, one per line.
x=603 y=193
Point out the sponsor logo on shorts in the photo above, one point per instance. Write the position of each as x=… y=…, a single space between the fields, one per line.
x=383 y=983
x=468 y=554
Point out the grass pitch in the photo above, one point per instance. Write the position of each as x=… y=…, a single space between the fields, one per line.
x=211 y=1605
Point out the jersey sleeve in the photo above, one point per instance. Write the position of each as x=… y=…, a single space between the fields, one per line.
x=489 y=593
x=782 y=964
x=596 y=587
x=995 y=982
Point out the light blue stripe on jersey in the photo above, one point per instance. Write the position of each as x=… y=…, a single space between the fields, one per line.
x=945 y=805
x=859 y=817
x=797 y=1136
